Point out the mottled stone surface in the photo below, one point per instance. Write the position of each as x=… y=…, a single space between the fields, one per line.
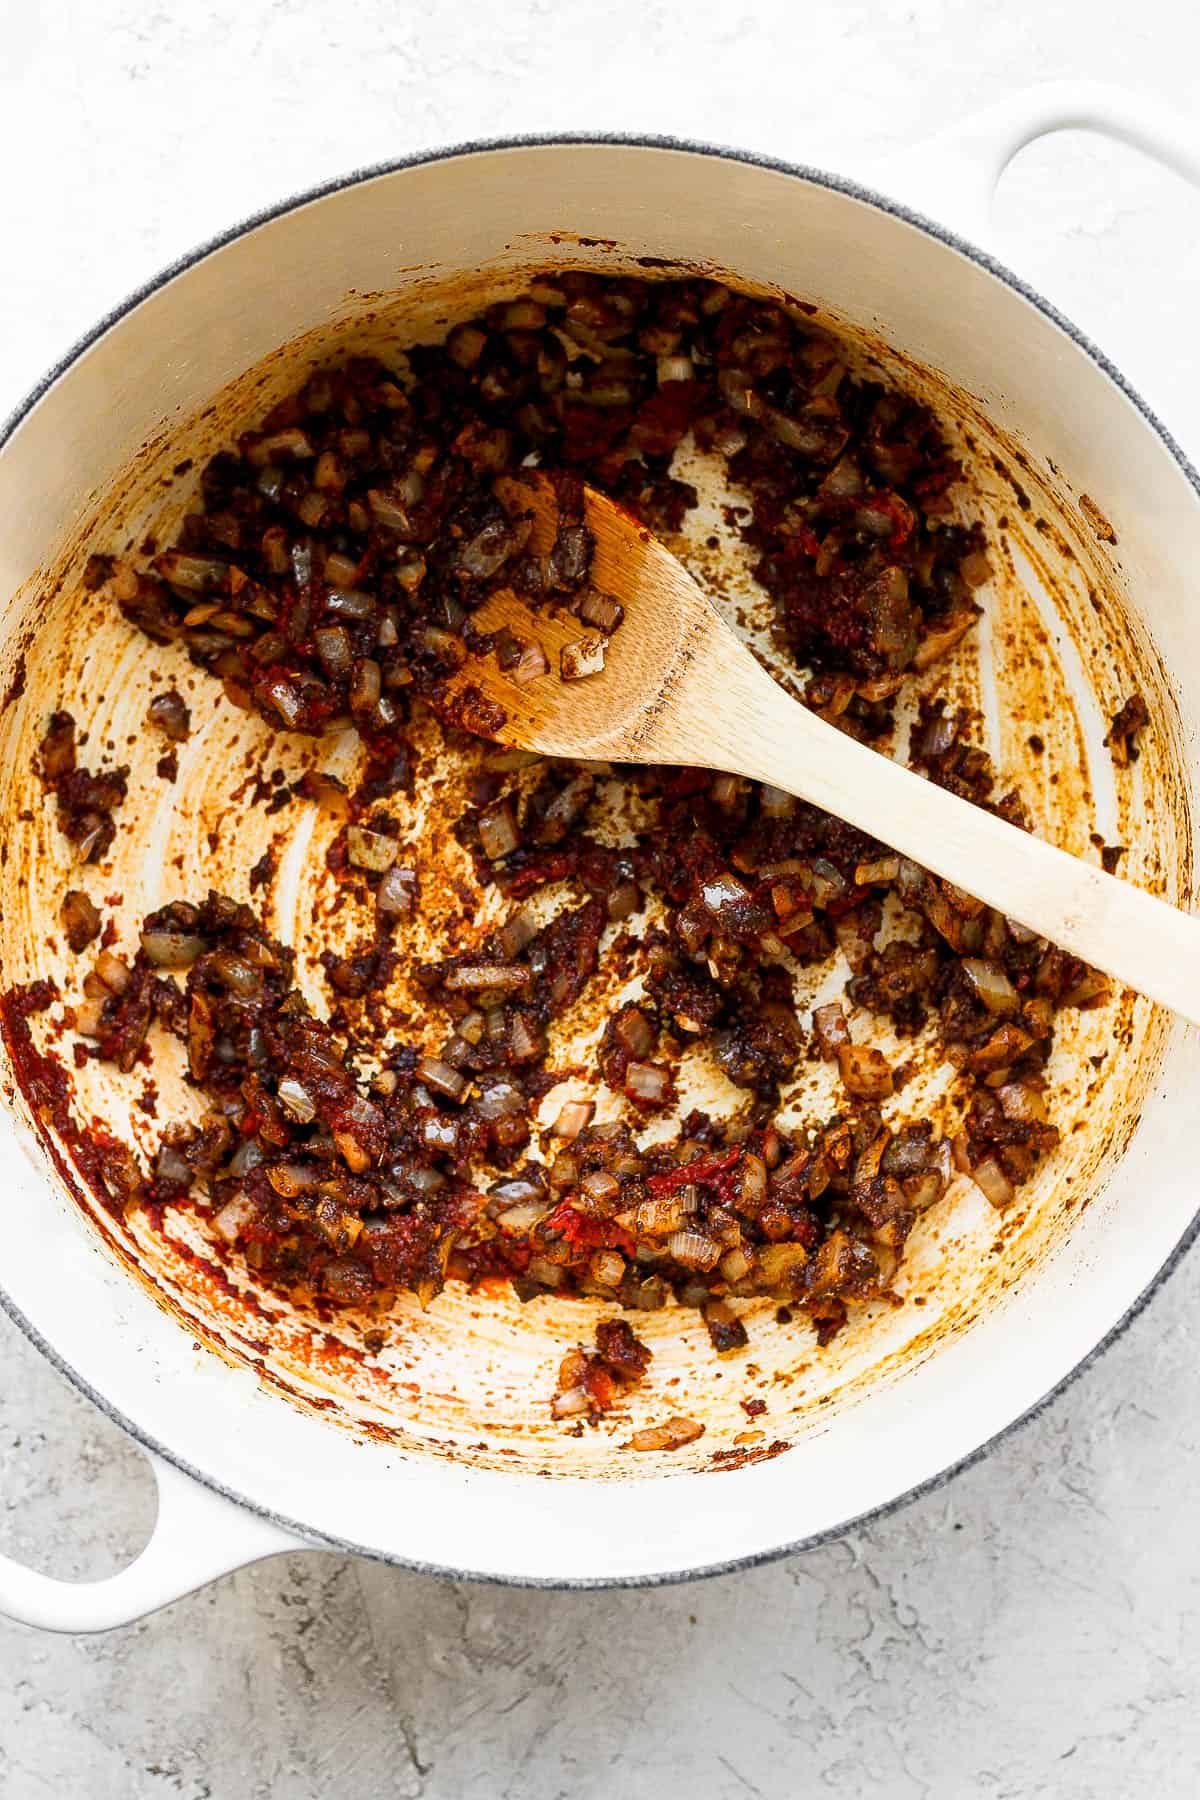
x=1034 y=1628
x=1031 y=1629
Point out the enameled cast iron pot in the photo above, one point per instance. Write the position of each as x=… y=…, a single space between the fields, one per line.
x=440 y=1456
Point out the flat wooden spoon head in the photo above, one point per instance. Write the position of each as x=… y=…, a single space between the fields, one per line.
x=675 y=685
x=621 y=710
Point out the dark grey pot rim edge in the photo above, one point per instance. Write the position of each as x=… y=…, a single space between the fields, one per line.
x=307 y=1537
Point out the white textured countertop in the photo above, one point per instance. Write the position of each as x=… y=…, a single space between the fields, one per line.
x=1032 y=1629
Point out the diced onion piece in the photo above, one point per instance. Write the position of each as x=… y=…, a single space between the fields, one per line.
x=170 y=1166
x=440 y=1135
x=992 y=987
x=776 y=804
x=570 y=1404
x=386 y=510
x=466 y=345
x=296 y=1100
x=311 y=509
x=329 y=473
x=512 y=1192
x=517 y=1220
x=779 y=1263
x=410 y=571
x=503 y=1100
x=634 y=1031
x=572 y=1118
x=112 y=972
x=752 y=1180
x=231 y=1217
x=1091 y=990
x=735 y=1265
x=350 y=603
x=172 y=949
x=564 y=1172
x=672 y=1434
x=507 y=762
x=881 y=687
x=602 y=611
x=865 y=1072
x=236 y=974
x=193 y=574
x=370 y=850
x=517 y=932
x=1022 y=1102
x=525 y=1043
x=89 y=1018
x=942 y=639
x=340 y=571
x=607 y=1268
x=660 y=1216
x=81 y=919
x=675 y=368
x=396 y=894
x=334 y=649
x=366 y=685
x=843 y=482
x=547 y=1273
x=831 y=1030
x=291 y=443
x=498 y=831
x=823 y=881
x=352 y=1151
x=623 y=901
x=810 y=439
x=169 y=711
x=647 y=1084
x=990 y=1177
x=293 y=1178
x=285 y=698
x=582 y=658
x=920 y=1191
x=882 y=869
x=473 y=977
x=723 y=893
x=693 y=1250
x=533 y=662
x=472 y=1026
x=438 y=1074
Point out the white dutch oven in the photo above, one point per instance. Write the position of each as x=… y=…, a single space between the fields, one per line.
x=266 y=1435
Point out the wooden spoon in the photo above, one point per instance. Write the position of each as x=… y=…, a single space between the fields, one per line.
x=678 y=686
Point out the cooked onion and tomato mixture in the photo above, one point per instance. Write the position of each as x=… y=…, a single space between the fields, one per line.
x=328 y=579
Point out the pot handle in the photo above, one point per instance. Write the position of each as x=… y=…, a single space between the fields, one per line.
x=953 y=175
x=198 y=1535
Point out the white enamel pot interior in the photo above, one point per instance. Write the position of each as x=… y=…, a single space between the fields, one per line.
x=439 y=1454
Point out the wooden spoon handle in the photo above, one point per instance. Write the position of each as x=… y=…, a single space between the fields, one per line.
x=747 y=724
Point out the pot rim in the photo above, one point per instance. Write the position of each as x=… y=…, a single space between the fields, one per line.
x=849 y=189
